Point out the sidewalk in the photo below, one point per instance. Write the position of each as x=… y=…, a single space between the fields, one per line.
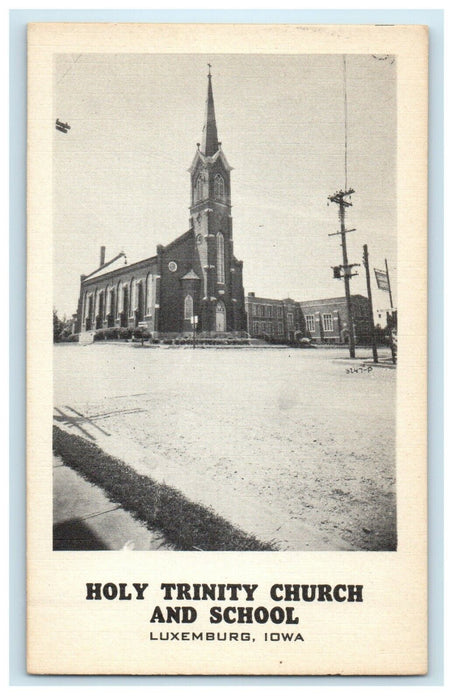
x=366 y=359
x=84 y=519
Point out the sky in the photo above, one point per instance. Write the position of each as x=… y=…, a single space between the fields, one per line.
x=120 y=173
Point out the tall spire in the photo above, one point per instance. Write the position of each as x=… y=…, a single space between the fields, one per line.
x=209 y=142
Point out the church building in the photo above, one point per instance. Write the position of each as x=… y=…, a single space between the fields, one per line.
x=196 y=277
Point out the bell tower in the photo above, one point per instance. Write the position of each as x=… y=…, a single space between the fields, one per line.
x=210 y=215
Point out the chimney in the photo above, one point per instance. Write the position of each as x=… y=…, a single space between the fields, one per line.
x=102 y=258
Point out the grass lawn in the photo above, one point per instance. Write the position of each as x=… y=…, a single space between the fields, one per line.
x=187 y=525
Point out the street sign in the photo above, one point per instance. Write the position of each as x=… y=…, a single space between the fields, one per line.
x=382 y=280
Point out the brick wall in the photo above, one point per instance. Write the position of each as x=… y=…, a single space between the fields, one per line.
x=135 y=283
x=323 y=320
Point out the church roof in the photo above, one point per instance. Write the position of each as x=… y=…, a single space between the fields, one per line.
x=209 y=140
x=209 y=159
x=114 y=264
x=179 y=239
x=118 y=263
x=210 y=148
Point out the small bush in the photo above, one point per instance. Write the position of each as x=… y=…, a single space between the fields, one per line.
x=69 y=338
x=111 y=333
x=141 y=333
x=124 y=333
x=64 y=335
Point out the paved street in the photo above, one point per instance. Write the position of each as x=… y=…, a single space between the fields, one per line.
x=293 y=446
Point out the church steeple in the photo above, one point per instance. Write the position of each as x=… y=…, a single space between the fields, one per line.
x=209 y=142
x=219 y=283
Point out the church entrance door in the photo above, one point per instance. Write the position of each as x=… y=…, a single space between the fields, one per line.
x=220 y=321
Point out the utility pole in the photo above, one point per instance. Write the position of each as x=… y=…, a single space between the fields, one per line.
x=393 y=315
x=339 y=198
x=383 y=282
x=370 y=299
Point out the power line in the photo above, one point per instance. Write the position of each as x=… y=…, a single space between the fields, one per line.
x=345 y=126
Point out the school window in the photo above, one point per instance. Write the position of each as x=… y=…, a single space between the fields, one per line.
x=279 y=311
x=327 y=322
x=256 y=328
x=280 y=328
x=290 y=319
x=310 y=321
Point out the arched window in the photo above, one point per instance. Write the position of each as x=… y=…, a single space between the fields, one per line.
x=219 y=186
x=100 y=308
x=139 y=301
x=220 y=259
x=119 y=298
x=199 y=188
x=89 y=319
x=84 y=305
x=188 y=307
x=112 y=304
x=133 y=296
x=126 y=299
x=149 y=294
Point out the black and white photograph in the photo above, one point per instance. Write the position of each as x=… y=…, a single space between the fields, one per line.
x=226 y=349
x=225 y=310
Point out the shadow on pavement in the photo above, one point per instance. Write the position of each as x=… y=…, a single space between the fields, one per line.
x=75 y=535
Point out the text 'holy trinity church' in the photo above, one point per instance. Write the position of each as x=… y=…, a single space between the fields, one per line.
x=196 y=275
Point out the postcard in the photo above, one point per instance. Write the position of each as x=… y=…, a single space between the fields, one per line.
x=226 y=349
